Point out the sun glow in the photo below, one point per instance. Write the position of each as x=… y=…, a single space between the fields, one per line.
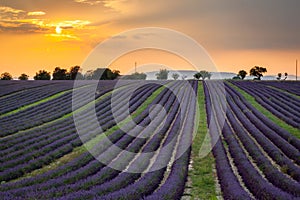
x=58 y=30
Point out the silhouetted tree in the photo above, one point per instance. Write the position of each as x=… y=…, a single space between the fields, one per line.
x=279 y=76
x=242 y=74
x=183 y=77
x=202 y=74
x=162 y=74
x=60 y=74
x=258 y=72
x=237 y=77
x=101 y=74
x=6 y=76
x=42 y=75
x=135 y=76
x=197 y=75
x=88 y=75
x=75 y=73
x=285 y=75
x=175 y=76
x=23 y=77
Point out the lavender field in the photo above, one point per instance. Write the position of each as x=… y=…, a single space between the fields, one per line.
x=140 y=139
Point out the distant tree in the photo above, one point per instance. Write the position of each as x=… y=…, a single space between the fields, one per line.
x=202 y=74
x=60 y=74
x=279 y=76
x=236 y=78
x=285 y=75
x=23 y=77
x=88 y=75
x=183 y=77
x=75 y=73
x=258 y=72
x=197 y=75
x=42 y=75
x=175 y=76
x=6 y=76
x=101 y=74
x=162 y=74
x=242 y=74
x=136 y=76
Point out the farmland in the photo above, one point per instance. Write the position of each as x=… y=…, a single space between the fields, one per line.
x=149 y=140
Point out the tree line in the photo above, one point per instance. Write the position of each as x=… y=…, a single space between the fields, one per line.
x=108 y=74
x=71 y=74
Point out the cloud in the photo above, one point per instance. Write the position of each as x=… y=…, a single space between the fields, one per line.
x=5 y=9
x=21 y=27
x=64 y=37
x=36 y=13
x=89 y=2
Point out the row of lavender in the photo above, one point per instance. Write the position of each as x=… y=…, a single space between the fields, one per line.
x=289 y=86
x=86 y=177
x=37 y=147
x=54 y=108
x=254 y=157
x=283 y=105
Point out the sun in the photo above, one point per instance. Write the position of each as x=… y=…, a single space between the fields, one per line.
x=58 y=30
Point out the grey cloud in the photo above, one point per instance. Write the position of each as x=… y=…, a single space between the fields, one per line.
x=20 y=27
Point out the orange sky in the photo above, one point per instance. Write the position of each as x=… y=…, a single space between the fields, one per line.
x=38 y=35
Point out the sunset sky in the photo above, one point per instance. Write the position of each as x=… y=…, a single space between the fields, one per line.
x=237 y=34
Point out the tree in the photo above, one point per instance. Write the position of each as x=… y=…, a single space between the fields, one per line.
x=175 y=76
x=6 y=76
x=202 y=74
x=183 y=77
x=258 y=72
x=59 y=74
x=75 y=73
x=88 y=75
x=162 y=74
x=23 y=77
x=286 y=75
x=279 y=76
x=237 y=77
x=101 y=74
x=242 y=74
x=42 y=75
x=136 y=76
x=197 y=75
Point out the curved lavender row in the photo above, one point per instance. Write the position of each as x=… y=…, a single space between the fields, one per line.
x=63 y=124
x=10 y=87
x=260 y=188
x=127 y=178
x=142 y=161
x=49 y=110
x=289 y=86
x=280 y=131
x=273 y=108
x=101 y=108
x=174 y=185
x=37 y=115
x=274 y=176
x=283 y=107
x=267 y=145
x=107 y=173
x=249 y=173
x=75 y=140
x=230 y=186
x=277 y=93
x=113 y=137
x=269 y=94
x=32 y=95
x=281 y=143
